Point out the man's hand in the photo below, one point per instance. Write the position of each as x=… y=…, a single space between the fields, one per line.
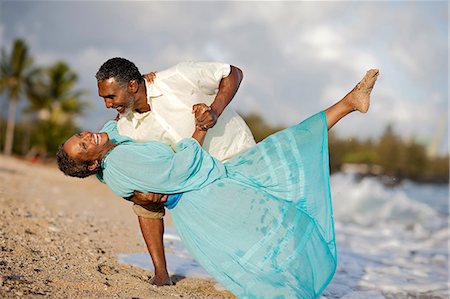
x=143 y=199
x=205 y=116
x=150 y=77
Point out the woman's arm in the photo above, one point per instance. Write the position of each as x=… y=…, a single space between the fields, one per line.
x=199 y=135
x=141 y=198
x=154 y=167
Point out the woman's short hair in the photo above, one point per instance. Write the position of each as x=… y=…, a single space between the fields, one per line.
x=72 y=167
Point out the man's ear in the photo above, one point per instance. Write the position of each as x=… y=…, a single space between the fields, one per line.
x=133 y=86
x=93 y=166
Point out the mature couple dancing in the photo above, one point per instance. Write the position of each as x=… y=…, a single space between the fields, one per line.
x=258 y=218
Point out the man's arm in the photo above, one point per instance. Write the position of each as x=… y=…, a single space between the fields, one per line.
x=227 y=89
x=152 y=228
x=144 y=199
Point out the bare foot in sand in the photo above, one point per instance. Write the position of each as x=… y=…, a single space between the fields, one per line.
x=161 y=281
x=359 y=97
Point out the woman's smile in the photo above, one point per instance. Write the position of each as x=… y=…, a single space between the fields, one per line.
x=97 y=138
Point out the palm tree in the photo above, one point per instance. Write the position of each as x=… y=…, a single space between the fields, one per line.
x=14 y=70
x=55 y=103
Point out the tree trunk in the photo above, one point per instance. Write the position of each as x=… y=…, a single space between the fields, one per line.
x=10 y=127
x=26 y=137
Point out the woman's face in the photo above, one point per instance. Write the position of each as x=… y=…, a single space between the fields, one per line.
x=87 y=146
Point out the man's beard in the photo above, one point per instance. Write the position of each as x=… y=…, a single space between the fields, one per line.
x=129 y=107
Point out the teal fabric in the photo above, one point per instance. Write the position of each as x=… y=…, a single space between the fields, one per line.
x=261 y=224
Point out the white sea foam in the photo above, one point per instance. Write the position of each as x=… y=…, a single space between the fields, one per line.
x=392 y=242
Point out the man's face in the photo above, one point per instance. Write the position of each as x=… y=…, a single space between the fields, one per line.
x=115 y=96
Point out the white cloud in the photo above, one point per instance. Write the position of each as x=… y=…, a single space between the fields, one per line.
x=325 y=41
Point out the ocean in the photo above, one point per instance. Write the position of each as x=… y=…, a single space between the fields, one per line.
x=393 y=242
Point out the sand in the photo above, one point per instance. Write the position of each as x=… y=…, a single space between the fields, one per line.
x=60 y=237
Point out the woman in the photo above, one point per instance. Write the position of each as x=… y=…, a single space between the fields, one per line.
x=261 y=224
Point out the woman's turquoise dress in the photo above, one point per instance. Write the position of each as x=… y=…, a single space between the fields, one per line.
x=261 y=224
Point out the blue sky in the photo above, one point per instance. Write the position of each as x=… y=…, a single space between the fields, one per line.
x=297 y=57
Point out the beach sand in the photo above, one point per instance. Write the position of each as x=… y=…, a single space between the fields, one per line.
x=60 y=237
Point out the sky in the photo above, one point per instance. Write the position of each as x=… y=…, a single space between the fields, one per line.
x=298 y=57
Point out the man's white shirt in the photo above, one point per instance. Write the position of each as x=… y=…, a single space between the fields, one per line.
x=171 y=96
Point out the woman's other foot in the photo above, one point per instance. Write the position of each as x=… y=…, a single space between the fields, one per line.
x=359 y=97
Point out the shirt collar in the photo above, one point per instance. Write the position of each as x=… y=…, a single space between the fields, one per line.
x=136 y=118
x=152 y=91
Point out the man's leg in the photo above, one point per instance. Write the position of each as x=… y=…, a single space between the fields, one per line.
x=152 y=230
x=152 y=227
x=357 y=99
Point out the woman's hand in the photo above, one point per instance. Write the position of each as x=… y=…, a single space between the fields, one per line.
x=143 y=199
x=150 y=77
x=205 y=116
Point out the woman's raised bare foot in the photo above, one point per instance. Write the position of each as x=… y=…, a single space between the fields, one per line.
x=359 y=97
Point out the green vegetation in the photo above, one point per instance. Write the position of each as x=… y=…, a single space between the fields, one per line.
x=53 y=104
x=390 y=155
x=15 y=70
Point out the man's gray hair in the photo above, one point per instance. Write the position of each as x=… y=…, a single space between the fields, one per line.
x=121 y=69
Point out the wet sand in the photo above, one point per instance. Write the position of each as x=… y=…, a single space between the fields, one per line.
x=60 y=237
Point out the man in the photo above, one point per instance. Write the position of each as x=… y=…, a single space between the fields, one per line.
x=166 y=107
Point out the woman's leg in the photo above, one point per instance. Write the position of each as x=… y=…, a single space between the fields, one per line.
x=357 y=99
